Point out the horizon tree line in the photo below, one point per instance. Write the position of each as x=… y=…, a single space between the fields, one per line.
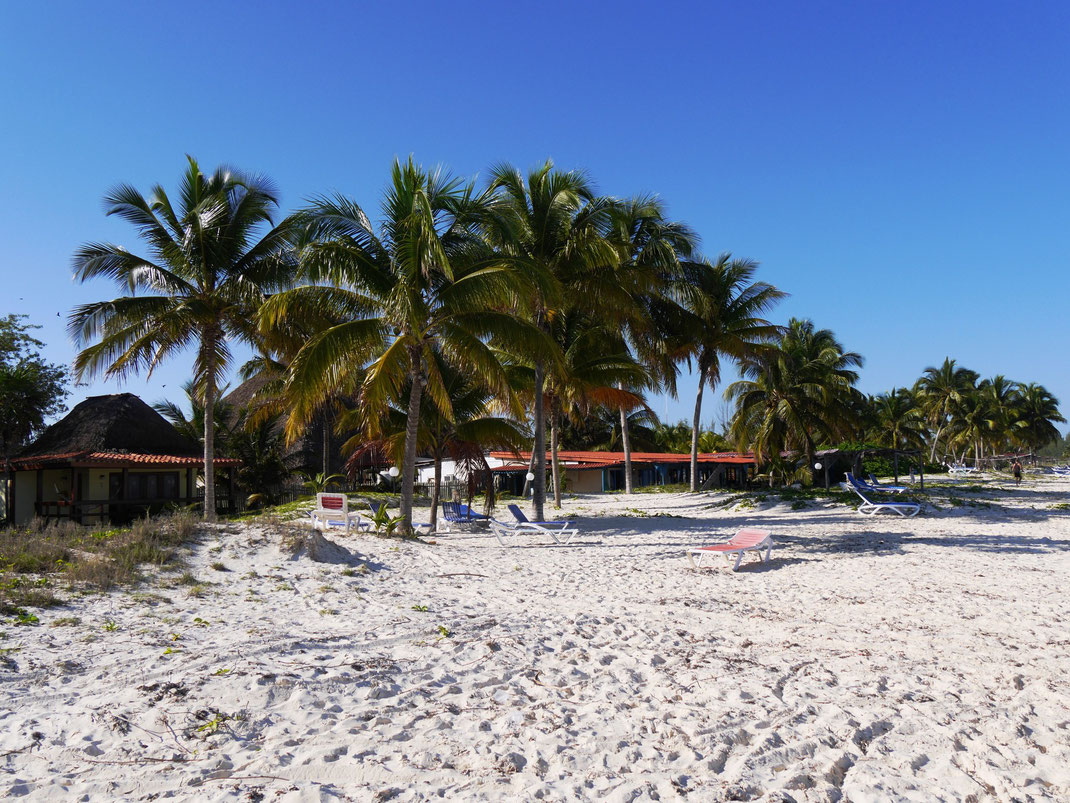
x=466 y=316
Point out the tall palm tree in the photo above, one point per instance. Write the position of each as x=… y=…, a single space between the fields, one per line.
x=651 y=249
x=795 y=393
x=422 y=282
x=1037 y=413
x=472 y=427
x=938 y=390
x=593 y=372
x=898 y=422
x=551 y=223
x=212 y=259
x=725 y=309
x=193 y=426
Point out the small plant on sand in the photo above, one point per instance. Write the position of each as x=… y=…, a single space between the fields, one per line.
x=319 y=483
x=329 y=612
x=221 y=672
x=219 y=566
x=197 y=591
x=349 y=572
x=172 y=650
x=110 y=626
x=65 y=621
x=199 y=622
x=212 y=726
x=384 y=523
x=24 y=617
x=420 y=608
x=444 y=632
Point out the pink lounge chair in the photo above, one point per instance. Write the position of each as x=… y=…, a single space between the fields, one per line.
x=745 y=539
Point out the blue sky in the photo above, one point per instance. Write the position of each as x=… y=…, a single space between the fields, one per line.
x=901 y=168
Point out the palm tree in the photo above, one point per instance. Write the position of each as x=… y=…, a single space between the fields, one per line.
x=724 y=320
x=898 y=422
x=651 y=248
x=939 y=389
x=793 y=393
x=1038 y=411
x=422 y=282
x=552 y=224
x=209 y=267
x=193 y=426
x=472 y=427
x=593 y=371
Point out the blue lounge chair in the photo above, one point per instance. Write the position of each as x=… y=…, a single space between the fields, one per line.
x=458 y=513
x=523 y=524
x=871 y=508
x=873 y=487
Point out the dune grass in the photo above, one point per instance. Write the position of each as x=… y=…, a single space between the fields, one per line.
x=37 y=560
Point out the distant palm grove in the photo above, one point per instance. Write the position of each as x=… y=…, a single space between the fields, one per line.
x=526 y=312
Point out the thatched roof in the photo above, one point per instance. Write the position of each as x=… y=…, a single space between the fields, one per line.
x=306 y=452
x=121 y=423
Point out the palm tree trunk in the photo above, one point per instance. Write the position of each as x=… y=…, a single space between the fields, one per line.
x=694 y=431
x=936 y=440
x=626 y=444
x=538 y=496
x=555 y=466
x=435 y=491
x=412 y=425
x=326 y=444
x=209 y=436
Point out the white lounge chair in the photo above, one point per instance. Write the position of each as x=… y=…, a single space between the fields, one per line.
x=523 y=524
x=332 y=510
x=871 y=508
x=747 y=539
x=888 y=489
x=962 y=470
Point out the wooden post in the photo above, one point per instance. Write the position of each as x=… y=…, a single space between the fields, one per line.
x=895 y=458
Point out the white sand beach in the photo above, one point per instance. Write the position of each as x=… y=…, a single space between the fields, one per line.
x=872 y=659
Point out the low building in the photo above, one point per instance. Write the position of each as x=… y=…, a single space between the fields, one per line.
x=109 y=460
x=595 y=472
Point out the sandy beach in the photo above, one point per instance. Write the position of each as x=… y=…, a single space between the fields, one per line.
x=872 y=659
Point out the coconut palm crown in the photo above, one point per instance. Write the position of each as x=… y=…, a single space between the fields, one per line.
x=212 y=258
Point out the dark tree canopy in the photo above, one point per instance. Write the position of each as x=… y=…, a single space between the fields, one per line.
x=31 y=389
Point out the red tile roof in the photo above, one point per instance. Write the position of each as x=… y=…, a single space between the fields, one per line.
x=583 y=460
x=116 y=459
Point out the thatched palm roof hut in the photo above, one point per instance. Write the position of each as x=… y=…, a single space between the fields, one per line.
x=109 y=458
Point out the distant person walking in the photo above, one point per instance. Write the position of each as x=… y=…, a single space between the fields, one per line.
x=1016 y=469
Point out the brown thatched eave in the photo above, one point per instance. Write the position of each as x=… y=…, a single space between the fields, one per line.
x=116 y=424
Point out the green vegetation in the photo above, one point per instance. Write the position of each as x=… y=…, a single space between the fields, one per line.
x=35 y=559
x=31 y=389
x=531 y=312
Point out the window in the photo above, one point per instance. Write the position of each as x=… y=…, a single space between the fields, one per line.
x=150 y=486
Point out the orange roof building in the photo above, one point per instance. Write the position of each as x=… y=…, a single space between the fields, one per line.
x=595 y=472
x=110 y=459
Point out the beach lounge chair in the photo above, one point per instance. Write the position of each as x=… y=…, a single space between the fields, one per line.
x=458 y=513
x=332 y=510
x=873 y=487
x=747 y=539
x=523 y=524
x=961 y=470
x=871 y=508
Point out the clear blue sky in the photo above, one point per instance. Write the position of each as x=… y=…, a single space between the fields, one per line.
x=901 y=168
